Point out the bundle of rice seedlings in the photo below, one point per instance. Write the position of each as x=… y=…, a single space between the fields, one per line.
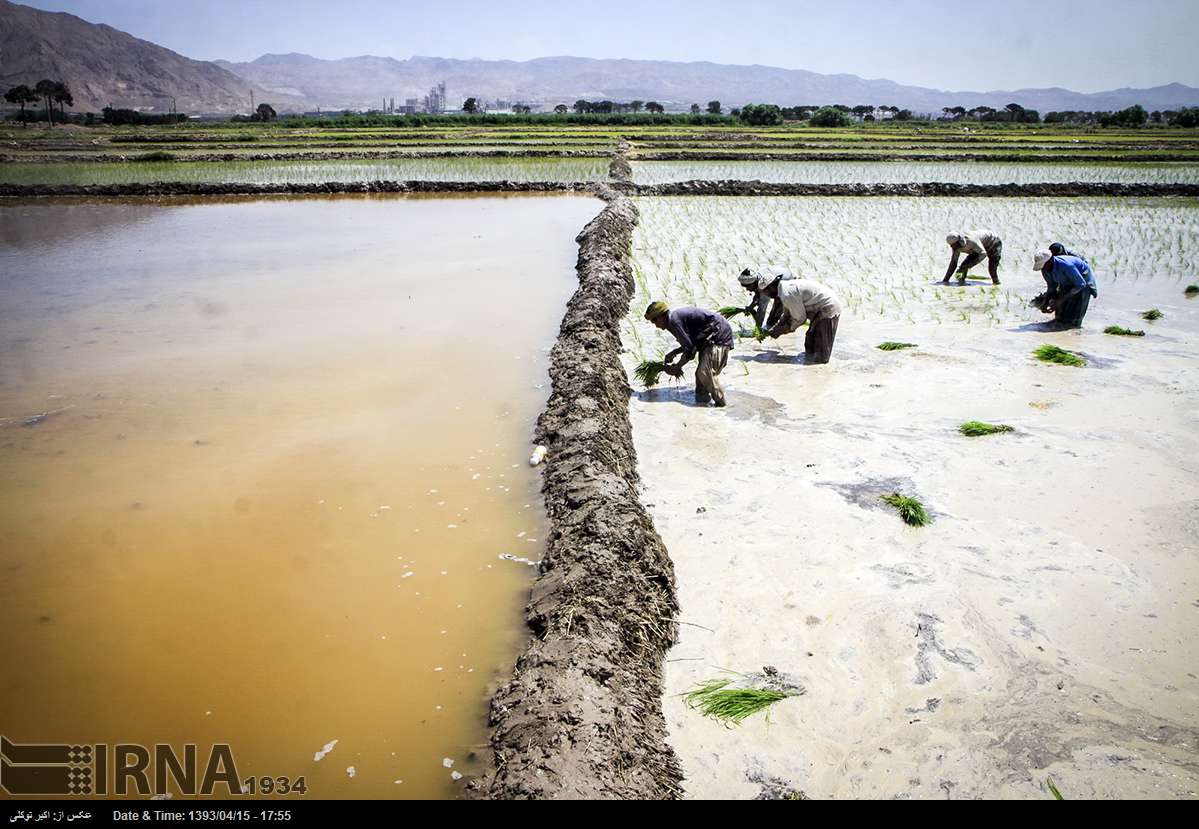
x=976 y=428
x=892 y=346
x=730 y=311
x=731 y=705
x=759 y=333
x=1117 y=331
x=1054 y=354
x=1192 y=290
x=1152 y=314
x=910 y=509
x=649 y=371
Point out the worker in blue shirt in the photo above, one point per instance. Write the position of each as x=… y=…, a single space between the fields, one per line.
x=1071 y=286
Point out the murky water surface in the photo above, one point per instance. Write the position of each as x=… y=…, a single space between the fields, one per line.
x=259 y=462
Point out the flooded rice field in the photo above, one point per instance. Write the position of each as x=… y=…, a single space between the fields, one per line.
x=263 y=474
x=905 y=172
x=308 y=172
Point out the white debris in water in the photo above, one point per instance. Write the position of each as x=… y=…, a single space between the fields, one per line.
x=521 y=534
x=475 y=477
x=447 y=762
x=351 y=771
x=407 y=575
x=451 y=526
x=397 y=782
x=538 y=455
x=438 y=669
x=384 y=507
x=518 y=560
x=454 y=775
x=432 y=492
x=445 y=572
x=207 y=713
x=320 y=755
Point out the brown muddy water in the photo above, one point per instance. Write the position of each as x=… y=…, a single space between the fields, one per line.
x=259 y=463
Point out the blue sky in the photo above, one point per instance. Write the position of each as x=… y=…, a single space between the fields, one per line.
x=963 y=45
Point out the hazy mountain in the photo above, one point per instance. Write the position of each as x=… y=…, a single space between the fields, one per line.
x=103 y=65
x=365 y=81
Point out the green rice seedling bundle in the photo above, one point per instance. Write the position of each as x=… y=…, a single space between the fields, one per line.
x=730 y=311
x=1060 y=356
x=731 y=705
x=893 y=346
x=1117 y=331
x=649 y=372
x=1191 y=290
x=910 y=509
x=1152 y=314
x=976 y=428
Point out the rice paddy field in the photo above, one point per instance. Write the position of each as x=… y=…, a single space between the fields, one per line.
x=905 y=172
x=978 y=565
x=310 y=172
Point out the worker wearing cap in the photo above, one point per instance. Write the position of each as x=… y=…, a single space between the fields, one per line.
x=1071 y=286
x=805 y=300
x=749 y=279
x=977 y=246
x=702 y=333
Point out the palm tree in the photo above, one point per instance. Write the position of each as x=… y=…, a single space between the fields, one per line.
x=22 y=95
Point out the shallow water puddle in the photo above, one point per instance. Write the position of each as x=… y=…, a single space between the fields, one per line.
x=281 y=480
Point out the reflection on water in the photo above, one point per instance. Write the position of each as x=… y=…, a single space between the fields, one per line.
x=258 y=463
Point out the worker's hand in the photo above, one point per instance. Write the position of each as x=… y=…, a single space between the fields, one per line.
x=1094 y=294
x=674 y=371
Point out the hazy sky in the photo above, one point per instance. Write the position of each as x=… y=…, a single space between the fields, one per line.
x=964 y=45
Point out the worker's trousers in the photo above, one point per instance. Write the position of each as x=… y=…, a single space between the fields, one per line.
x=712 y=360
x=1072 y=309
x=818 y=342
x=994 y=257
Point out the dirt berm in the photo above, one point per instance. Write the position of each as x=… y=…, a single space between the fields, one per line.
x=581 y=716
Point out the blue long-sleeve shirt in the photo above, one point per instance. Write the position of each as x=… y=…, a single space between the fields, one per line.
x=1067 y=273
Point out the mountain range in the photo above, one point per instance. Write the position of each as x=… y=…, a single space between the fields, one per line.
x=106 y=66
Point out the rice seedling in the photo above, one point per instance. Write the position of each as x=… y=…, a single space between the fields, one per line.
x=730 y=311
x=760 y=333
x=649 y=372
x=1053 y=789
x=1191 y=290
x=894 y=346
x=1152 y=314
x=1117 y=331
x=731 y=705
x=976 y=428
x=1060 y=356
x=910 y=509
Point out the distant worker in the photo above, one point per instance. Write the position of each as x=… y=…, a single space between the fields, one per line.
x=977 y=246
x=1071 y=287
x=702 y=333
x=749 y=279
x=805 y=300
x=1058 y=249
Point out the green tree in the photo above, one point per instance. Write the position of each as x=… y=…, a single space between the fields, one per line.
x=21 y=95
x=265 y=112
x=636 y=105
x=45 y=90
x=714 y=107
x=655 y=107
x=582 y=106
x=761 y=115
x=561 y=109
x=62 y=96
x=470 y=106
x=695 y=109
x=829 y=117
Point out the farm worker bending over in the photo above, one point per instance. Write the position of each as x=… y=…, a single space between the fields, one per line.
x=977 y=246
x=749 y=279
x=1071 y=286
x=701 y=332
x=1058 y=249
x=804 y=300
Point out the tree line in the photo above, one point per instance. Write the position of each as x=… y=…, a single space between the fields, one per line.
x=46 y=91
